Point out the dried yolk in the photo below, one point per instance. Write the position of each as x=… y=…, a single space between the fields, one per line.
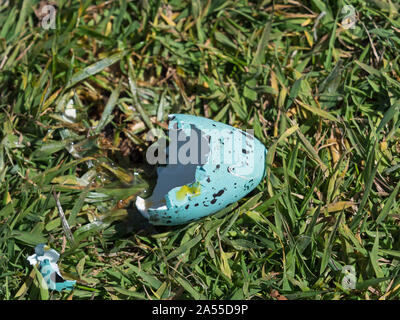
x=193 y=190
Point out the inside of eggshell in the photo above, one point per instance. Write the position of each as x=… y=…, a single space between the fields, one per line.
x=170 y=177
x=176 y=175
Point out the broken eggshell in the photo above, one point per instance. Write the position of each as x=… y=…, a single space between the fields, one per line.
x=46 y=259
x=231 y=163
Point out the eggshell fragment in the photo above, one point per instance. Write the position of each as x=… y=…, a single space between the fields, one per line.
x=231 y=163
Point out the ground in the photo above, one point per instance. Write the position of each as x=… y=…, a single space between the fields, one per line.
x=82 y=82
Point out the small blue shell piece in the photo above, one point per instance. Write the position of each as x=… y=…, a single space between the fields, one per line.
x=234 y=165
x=52 y=277
x=46 y=260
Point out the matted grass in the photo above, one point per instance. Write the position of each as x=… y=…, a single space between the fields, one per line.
x=323 y=97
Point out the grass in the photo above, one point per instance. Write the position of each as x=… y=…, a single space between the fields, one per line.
x=323 y=98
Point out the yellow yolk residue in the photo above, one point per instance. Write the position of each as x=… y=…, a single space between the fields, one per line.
x=193 y=190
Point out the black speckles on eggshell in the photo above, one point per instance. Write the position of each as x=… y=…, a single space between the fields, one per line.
x=249 y=145
x=247 y=135
x=216 y=167
x=219 y=193
x=216 y=195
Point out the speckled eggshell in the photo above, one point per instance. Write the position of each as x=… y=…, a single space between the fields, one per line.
x=218 y=182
